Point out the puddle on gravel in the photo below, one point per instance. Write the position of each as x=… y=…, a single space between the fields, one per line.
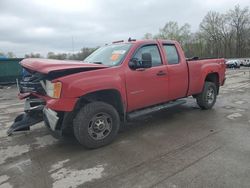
x=44 y=141
x=240 y=110
x=239 y=102
x=228 y=107
x=4 y=183
x=3 y=178
x=21 y=165
x=233 y=116
x=58 y=165
x=66 y=177
x=12 y=151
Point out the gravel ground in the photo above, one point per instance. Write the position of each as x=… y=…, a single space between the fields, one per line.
x=179 y=147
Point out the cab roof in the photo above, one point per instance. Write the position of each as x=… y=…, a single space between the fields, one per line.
x=142 y=41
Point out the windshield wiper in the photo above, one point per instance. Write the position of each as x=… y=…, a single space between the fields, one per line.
x=96 y=62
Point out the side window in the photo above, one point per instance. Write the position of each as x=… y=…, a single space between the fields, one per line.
x=172 y=54
x=153 y=50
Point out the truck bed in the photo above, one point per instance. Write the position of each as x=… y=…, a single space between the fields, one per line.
x=198 y=69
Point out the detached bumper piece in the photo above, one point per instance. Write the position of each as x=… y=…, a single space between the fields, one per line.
x=50 y=118
x=33 y=114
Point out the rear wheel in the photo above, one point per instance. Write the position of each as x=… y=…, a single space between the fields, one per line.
x=207 y=98
x=96 y=124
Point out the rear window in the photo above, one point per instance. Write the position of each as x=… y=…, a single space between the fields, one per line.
x=172 y=54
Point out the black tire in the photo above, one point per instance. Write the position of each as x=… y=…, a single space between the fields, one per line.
x=89 y=122
x=207 y=98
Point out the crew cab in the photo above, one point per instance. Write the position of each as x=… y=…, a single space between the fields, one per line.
x=116 y=83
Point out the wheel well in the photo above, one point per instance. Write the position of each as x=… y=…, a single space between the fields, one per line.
x=110 y=96
x=214 y=77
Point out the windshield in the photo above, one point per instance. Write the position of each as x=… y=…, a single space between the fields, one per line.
x=110 y=55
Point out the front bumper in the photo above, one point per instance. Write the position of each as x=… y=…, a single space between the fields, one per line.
x=35 y=112
x=28 y=88
x=39 y=108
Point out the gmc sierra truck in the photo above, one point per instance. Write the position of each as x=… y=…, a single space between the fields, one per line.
x=116 y=83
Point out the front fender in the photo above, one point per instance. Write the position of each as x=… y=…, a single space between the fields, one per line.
x=80 y=84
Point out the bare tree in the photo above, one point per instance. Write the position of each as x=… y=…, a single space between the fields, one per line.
x=148 y=36
x=227 y=35
x=61 y=56
x=210 y=30
x=239 y=20
x=2 y=54
x=11 y=55
x=220 y=35
x=171 y=30
x=75 y=56
x=33 y=55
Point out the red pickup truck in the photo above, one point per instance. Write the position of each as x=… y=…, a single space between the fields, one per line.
x=116 y=83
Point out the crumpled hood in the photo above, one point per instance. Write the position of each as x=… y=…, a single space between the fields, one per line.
x=47 y=66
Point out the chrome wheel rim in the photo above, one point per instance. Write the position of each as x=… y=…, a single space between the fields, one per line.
x=100 y=126
x=210 y=95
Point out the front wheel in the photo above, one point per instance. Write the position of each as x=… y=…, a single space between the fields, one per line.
x=96 y=124
x=207 y=98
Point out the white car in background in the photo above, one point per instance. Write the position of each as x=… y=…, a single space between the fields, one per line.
x=233 y=63
x=246 y=62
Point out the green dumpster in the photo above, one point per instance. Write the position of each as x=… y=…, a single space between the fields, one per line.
x=10 y=70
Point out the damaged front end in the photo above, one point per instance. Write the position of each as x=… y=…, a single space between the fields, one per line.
x=33 y=107
x=42 y=92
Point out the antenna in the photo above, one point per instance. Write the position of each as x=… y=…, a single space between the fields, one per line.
x=118 y=41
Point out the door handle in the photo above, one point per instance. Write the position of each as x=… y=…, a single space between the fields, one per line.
x=161 y=73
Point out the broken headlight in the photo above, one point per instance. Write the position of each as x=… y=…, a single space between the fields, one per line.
x=53 y=89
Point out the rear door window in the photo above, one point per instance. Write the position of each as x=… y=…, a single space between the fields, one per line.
x=172 y=54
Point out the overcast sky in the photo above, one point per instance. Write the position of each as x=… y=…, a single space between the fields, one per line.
x=49 y=25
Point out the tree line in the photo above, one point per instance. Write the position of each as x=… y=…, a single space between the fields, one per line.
x=84 y=52
x=8 y=55
x=81 y=55
x=220 y=34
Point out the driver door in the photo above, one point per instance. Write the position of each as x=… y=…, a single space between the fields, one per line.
x=148 y=86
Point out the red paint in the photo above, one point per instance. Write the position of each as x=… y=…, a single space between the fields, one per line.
x=138 y=89
x=48 y=65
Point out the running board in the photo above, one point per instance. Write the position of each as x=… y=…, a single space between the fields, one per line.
x=149 y=110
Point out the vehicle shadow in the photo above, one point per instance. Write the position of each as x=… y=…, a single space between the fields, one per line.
x=166 y=116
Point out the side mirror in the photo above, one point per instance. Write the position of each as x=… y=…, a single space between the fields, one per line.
x=134 y=63
x=146 y=60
